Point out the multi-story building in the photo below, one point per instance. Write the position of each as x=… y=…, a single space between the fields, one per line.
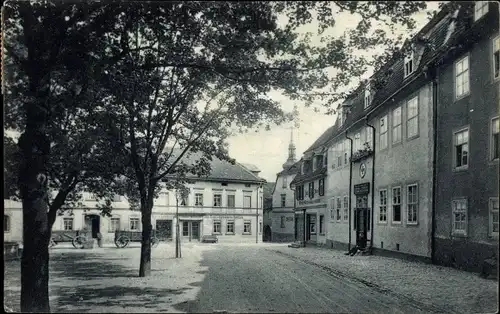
x=268 y=207
x=310 y=199
x=466 y=198
x=228 y=203
x=282 y=214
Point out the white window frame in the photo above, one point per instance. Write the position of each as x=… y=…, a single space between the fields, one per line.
x=412 y=116
x=283 y=200
x=117 y=198
x=409 y=64
x=460 y=73
x=322 y=224
x=384 y=127
x=357 y=141
x=492 y=210
x=382 y=206
x=397 y=126
x=9 y=223
x=163 y=196
x=220 y=199
x=138 y=223
x=214 y=229
x=492 y=137
x=249 y=223
x=369 y=136
x=197 y=201
x=454 y=156
x=230 y=223
x=68 y=219
x=454 y=231
x=480 y=9
x=338 y=212
x=245 y=197
x=410 y=203
x=496 y=49
x=112 y=227
x=346 y=208
x=332 y=208
x=400 y=203
x=234 y=201
x=284 y=180
x=368 y=96
x=346 y=151
x=339 y=155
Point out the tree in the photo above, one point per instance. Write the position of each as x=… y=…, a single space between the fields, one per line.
x=195 y=72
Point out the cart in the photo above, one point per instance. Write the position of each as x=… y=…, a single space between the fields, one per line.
x=123 y=238
x=77 y=238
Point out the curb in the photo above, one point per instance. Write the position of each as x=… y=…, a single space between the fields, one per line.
x=342 y=275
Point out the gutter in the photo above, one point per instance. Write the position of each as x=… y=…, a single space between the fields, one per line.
x=350 y=191
x=434 y=163
x=373 y=184
x=305 y=225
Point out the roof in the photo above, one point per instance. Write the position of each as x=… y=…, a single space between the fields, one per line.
x=221 y=170
x=318 y=173
x=268 y=189
x=293 y=169
x=390 y=78
x=250 y=167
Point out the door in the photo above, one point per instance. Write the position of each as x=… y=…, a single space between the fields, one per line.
x=92 y=225
x=164 y=229
x=362 y=220
x=195 y=230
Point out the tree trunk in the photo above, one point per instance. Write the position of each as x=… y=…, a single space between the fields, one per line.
x=145 y=265
x=36 y=231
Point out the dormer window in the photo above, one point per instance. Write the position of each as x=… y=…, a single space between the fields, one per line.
x=480 y=9
x=368 y=96
x=409 y=66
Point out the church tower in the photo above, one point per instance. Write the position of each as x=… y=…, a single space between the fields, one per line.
x=291 y=152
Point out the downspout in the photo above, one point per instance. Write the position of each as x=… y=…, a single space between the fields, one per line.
x=373 y=184
x=305 y=225
x=350 y=190
x=434 y=162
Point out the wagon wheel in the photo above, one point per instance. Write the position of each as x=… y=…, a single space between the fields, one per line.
x=155 y=241
x=122 y=241
x=78 y=242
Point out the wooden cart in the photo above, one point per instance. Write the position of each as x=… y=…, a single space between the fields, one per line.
x=76 y=237
x=123 y=238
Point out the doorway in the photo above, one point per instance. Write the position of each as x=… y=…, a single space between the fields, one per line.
x=93 y=223
x=362 y=220
x=267 y=234
x=191 y=230
x=164 y=229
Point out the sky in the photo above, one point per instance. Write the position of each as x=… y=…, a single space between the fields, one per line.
x=268 y=150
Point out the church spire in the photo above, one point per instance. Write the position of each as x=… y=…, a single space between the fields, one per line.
x=291 y=152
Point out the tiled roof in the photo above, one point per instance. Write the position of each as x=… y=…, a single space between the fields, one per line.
x=391 y=75
x=221 y=170
x=293 y=169
x=318 y=173
x=268 y=189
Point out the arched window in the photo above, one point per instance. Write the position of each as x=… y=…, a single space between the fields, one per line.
x=6 y=223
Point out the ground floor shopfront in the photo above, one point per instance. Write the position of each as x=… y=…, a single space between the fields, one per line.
x=310 y=224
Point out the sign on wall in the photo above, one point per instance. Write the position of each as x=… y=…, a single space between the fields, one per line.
x=363 y=188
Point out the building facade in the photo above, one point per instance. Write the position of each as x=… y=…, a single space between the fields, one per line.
x=227 y=203
x=467 y=142
x=268 y=207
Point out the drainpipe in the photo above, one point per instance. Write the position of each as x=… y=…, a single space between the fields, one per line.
x=373 y=182
x=434 y=162
x=350 y=190
x=305 y=225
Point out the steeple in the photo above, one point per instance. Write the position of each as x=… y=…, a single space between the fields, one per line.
x=291 y=152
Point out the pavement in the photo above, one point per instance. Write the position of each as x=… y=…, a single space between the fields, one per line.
x=252 y=278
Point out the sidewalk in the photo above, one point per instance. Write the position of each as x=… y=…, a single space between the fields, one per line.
x=441 y=289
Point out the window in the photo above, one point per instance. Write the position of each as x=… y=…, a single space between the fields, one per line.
x=6 y=223
x=346 y=151
x=462 y=77
x=91 y=197
x=321 y=187
x=217 y=226
x=412 y=117
x=495 y=129
x=114 y=224
x=383 y=132
x=339 y=209
x=357 y=141
x=185 y=229
x=339 y=154
x=163 y=196
x=284 y=182
x=260 y=227
x=459 y=216
x=134 y=224
x=409 y=67
x=332 y=208
x=461 y=149
x=368 y=96
x=117 y=198
x=67 y=223
x=412 y=203
x=321 y=224
x=184 y=201
x=312 y=224
x=311 y=189
x=231 y=201
x=198 y=199
x=217 y=200
x=247 y=201
x=496 y=57
x=283 y=200
x=369 y=136
x=494 y=217
x=346 y=208
x=230 y=227
x=383 y=206
x=396 y=205
x=396 y=125
x=300 y=192
x=247 y=227
x=480 y=9
x=282 y=221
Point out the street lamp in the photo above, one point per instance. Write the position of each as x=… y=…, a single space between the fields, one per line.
x=180 y=193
